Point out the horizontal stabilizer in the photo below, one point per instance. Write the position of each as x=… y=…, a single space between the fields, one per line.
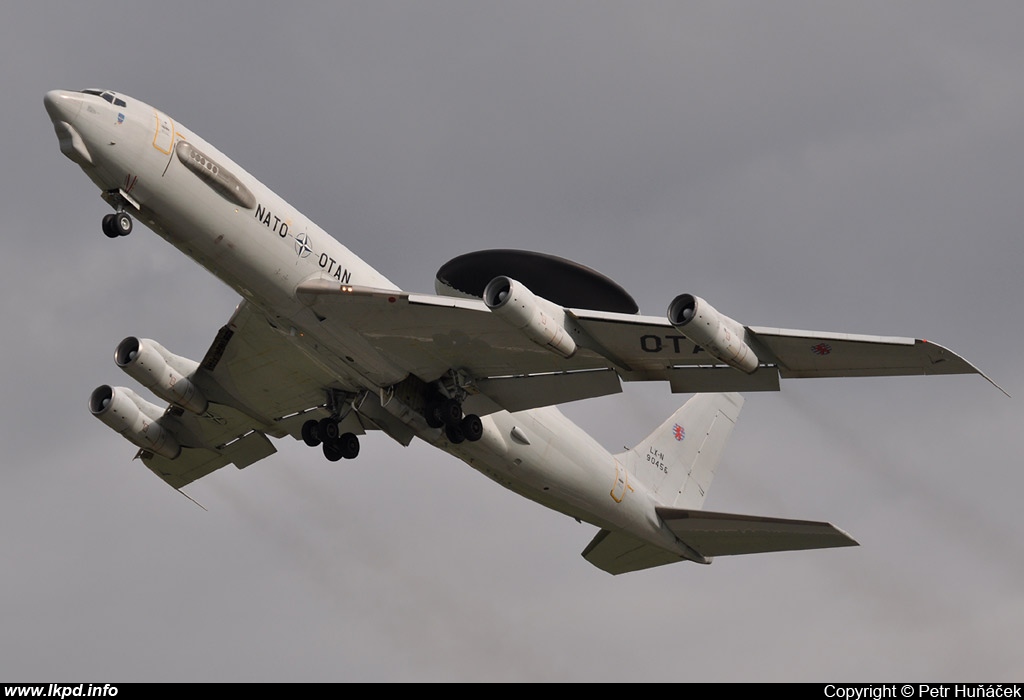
x=619 y=553
x=722 y=534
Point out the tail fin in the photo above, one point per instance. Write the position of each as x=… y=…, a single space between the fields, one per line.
x=678 y=460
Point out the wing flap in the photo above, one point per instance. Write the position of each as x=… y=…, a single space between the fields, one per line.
x=522 y=392
x=218 y=426
x=711 y=379
x=724 y=534
x=196 y=462
x=191 y=464
x=249 y=449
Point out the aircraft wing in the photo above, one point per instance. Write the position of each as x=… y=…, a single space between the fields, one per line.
x=429 y=335
x=258 y=384
x=817 y=354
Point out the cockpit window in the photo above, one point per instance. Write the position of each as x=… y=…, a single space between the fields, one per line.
x=108 y=96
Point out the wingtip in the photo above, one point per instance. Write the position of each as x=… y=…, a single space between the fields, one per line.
x=192 y=499
x=990 y=381
x=1005 y=392
x=970 y=365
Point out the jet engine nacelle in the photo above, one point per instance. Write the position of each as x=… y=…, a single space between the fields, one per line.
x=542 y=321
x=133 y=417
x=161 y=371
x=720 y=336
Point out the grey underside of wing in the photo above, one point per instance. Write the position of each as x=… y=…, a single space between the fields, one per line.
x=196 y=462
x=817 y=354
x=258 y=384
x=429 y=335
x=268 y=371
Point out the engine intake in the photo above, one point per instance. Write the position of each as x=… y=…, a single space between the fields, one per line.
x=540 y=320
x=721 y=337
x=133 y=417
x=162 y=372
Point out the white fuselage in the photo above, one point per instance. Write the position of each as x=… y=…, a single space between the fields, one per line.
x=265 y=251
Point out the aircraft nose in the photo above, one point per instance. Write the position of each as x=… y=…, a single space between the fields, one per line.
x=61 y=105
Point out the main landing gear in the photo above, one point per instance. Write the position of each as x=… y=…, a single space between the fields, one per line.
x=442 y=412
x=325 y=432
x=434 y=403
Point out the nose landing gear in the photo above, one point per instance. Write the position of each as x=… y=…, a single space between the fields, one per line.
x=119 y=224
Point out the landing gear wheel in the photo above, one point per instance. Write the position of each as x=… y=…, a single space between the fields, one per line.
x=450 y=412
x=348 y=445
x=122 y=223
x=472 y=427
x=342 y=447
x=332 y=451
x=108 y=227
x=454 y=434
x=311 y=433
x=328 y=428
x=433 y=413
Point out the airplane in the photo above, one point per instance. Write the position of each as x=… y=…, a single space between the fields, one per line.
x=324 y=348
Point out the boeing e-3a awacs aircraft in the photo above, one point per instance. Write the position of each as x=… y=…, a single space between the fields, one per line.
x=323 y=348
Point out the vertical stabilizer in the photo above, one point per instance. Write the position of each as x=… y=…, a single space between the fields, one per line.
x=678 y=460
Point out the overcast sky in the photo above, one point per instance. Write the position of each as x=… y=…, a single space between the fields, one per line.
x=851 y=167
